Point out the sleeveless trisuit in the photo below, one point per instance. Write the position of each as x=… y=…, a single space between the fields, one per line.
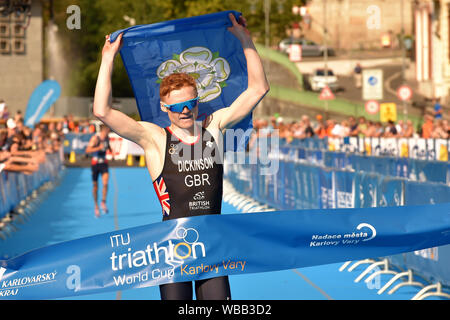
x=190 y=184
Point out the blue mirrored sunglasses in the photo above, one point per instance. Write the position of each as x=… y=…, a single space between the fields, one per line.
x=178 y=107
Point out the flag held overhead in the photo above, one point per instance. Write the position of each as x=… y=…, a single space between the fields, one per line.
x=200 y=46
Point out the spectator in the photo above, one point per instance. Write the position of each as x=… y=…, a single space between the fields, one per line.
x=341 y=130
x=273 y=123
x=3 y=134
x=11 y=132
x=400 y=127
x=391 y=130
x=362 y=127
x=4 y=113
x=298 y=130
x=440 y=131
x=264 y=129
x=320 y=129
x=409 y=130
x=18 y=116
x=329 y=126
x=71 y=123
x=353 y=126
x=309 y=132
x=23 y=149
x=17 y=163
x=437 y=108
x=379 y=131
x=446 y=126
x=427 y=127
x=65 y=124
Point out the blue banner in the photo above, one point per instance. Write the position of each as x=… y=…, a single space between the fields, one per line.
x=289 y=187
x=200 y=46
x=420 y=193
x=208 y=246
x=390 y=192
x=366 y=190
x=432 y=263
x=344 y=189
x=76 y=142
x=326 y=190
x=40 y=100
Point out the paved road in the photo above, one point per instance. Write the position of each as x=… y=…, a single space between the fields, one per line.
x=391 y=77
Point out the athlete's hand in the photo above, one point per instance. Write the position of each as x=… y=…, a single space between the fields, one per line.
x=239 y=28
x=110 y=50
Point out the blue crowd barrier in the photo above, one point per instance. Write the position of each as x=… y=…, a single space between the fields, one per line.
x=351 y=181
x=432 y=263
x=16 y=186
x=415 y=169
x=419 y=193
x=76 y=142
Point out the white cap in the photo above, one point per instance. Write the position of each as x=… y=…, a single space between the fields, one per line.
x=11 y=124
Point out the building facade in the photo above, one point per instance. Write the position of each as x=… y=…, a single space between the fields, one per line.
x=432 y=47
x=359 y=24
x=21 y=54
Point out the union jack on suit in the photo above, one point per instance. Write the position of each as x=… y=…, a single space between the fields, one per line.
x=163 y=195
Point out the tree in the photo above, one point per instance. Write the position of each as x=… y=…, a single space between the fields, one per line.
x=98 y=18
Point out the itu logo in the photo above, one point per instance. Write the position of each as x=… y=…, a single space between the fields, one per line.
x=184 y=245
x=190 y=237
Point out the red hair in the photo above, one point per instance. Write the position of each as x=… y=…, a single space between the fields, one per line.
x=176 y=81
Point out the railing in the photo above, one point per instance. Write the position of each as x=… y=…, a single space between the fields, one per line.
x=18 y=190
x=310 y=177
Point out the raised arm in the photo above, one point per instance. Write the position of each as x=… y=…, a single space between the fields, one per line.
x=91 y=145
x=257 y=82
x=128 y=128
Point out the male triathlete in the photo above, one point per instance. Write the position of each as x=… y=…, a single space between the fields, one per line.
x=187 y=182
x=98 y=146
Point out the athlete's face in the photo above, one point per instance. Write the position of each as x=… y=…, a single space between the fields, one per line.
x=186 y=118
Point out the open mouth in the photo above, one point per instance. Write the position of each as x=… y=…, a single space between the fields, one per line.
x=186 y=117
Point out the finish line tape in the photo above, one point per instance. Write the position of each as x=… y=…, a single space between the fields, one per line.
x=208 y=246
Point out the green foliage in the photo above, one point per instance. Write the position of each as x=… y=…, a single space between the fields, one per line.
x=101 y=17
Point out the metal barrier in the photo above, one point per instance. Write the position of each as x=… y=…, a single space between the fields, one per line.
x=20 y=194
x=415 y=148
x=303 y=182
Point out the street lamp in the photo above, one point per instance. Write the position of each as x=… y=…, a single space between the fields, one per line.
x=267 y=22
x=405 y=107
x=325 y=51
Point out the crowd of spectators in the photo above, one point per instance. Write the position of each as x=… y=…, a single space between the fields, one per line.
x=76 y=126
x=352 y=127
x=23 y=149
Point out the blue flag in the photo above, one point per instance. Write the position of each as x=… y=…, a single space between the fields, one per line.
x=203 y=247
x=40 y=100
x=200 y=46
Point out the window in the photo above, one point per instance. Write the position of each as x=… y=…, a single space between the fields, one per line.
x=5 y=46
x=4 y=30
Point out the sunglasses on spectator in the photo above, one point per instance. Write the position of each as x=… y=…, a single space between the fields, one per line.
x=178 y=107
